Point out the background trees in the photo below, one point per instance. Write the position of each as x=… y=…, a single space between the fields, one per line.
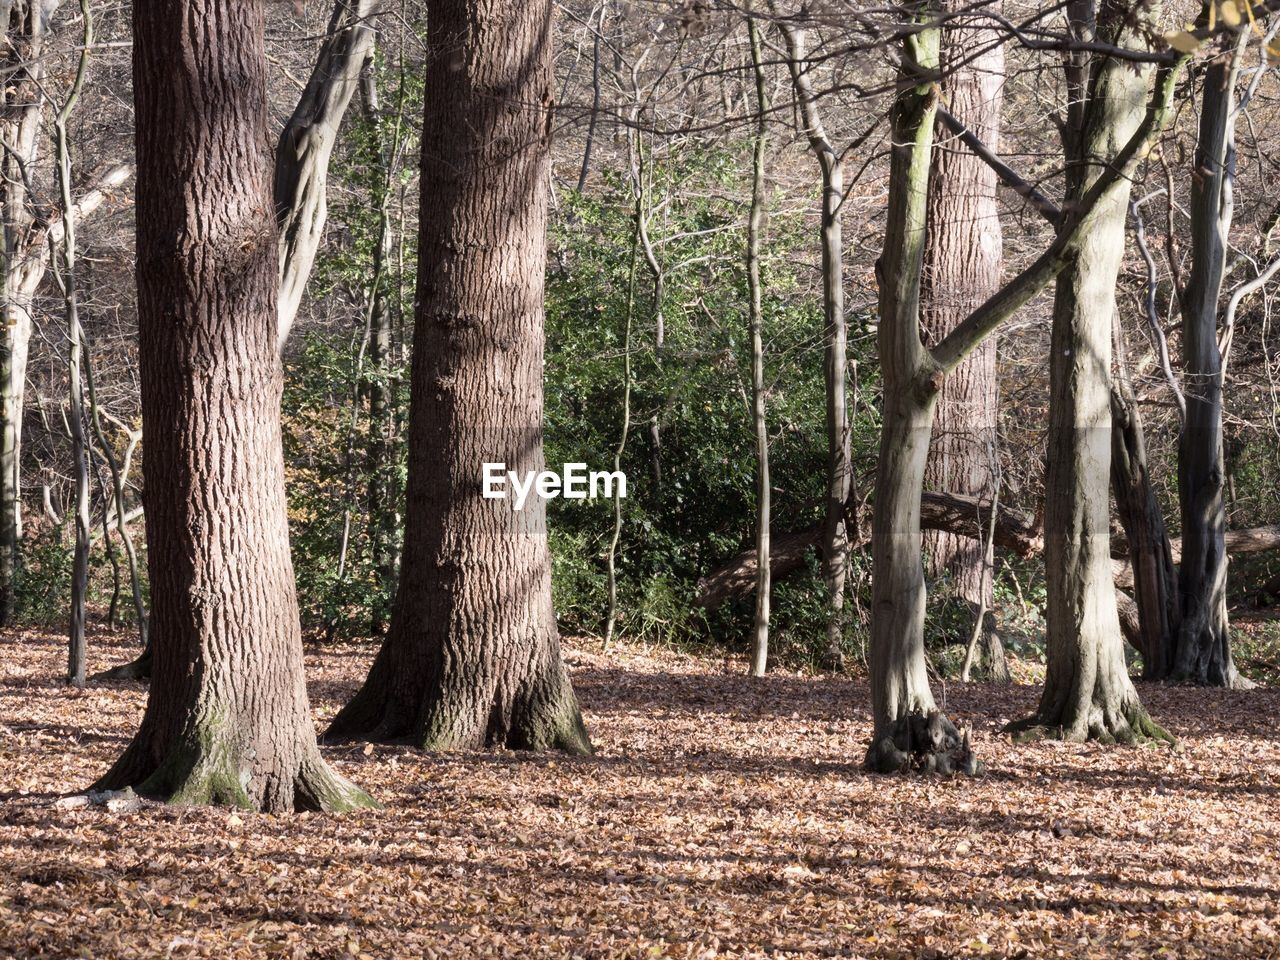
x=672 y=92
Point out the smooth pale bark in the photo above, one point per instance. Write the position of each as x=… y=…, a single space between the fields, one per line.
x=24 y=34
x=963 y=265
x=64 y=263
x=472 y=656
x=759 y=418
x=1088 y=694
x=835 y=539
x=1203 y=651
x=900 y=693
x=908 y=731
x=306 y=143
x=227 y=718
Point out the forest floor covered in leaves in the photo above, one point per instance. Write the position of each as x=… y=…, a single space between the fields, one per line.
x=720 y=817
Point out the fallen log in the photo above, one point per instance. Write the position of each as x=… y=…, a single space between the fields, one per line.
x=964 y=516
x=1248 y=540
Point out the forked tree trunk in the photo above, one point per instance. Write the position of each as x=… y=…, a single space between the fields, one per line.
x=1203 y=653
x=227 y=718
x=835 y=539
x=1088 y=694
x=908 y=730
x=963 y=262
x=472 y=655
x=901 y=700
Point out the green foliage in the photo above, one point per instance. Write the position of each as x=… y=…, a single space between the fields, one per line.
x=689 y=457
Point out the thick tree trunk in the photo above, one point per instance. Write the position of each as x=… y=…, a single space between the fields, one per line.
x=1203 y=653
x=472 y=656
x=835 y=540
x=1155 y=578
x=306 y=143
x=963 y=262
x=227 y=719
x=1088 y=694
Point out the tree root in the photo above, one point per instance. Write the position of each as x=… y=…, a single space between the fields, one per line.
x=139 y=669
x=1131 y=726
x=924 y=743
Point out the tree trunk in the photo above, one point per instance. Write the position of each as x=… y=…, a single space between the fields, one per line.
x=908 y=728
x=835 y=540
x=227 y=718
x=1155 y=578
x=1203 y=653
x=380 y=457
x=24 y=33
x=65 y=272
x=472 y=656
x=759 y=419
x=963 y=262
x=306 y=143
x=1088 y=694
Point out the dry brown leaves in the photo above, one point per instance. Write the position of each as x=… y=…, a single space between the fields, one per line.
x=721 y=817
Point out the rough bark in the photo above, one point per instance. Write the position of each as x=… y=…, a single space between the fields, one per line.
x=835 y=540
x=227 y=719
x=472 y=656
x=963 y=262
x=306 y=143
x=1088 y=694
x=1203 y=651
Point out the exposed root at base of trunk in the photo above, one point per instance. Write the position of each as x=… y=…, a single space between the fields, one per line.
x=212 y=774
x=139 y=669
x=1130 y=726
x=924 y=743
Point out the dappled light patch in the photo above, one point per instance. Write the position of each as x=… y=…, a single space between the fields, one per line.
x=720 y=816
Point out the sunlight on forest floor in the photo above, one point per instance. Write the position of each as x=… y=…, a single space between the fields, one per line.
x=720 y=817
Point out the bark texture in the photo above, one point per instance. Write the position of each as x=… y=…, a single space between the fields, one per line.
x=306 y=143
x=24 y=35
x=1150 y=617
x=1088 y=694
x=1203 y=651
x=472 y=655
x=227 y=718
x=963 y=261
x=908 y=730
